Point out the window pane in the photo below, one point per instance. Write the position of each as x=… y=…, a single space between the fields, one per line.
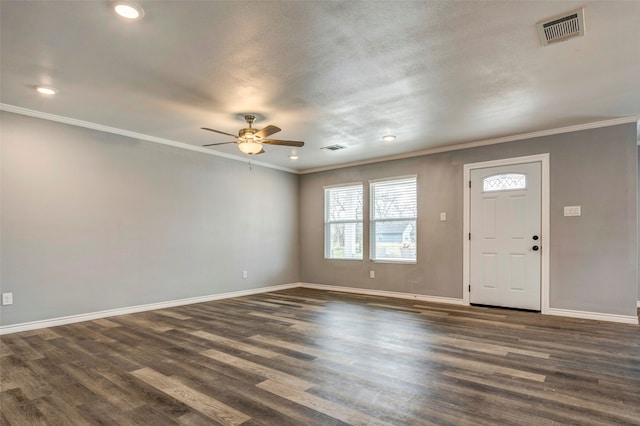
x=394 y=199
x=504 y=182
x=344 y=240
x=343 y=222
x=394 y=211
x=344 y=203
x=394 y=240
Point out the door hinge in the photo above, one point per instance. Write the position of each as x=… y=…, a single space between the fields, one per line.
x=469 y=184
x=469 y=288
x=469 y=235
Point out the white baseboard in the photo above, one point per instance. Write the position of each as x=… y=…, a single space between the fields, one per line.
x=34 y=325
x=626 y=319
x=384 y=293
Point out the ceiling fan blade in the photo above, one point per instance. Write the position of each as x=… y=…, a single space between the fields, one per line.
x=220 y=143
x=267 y=131
x=218 y=131
x=283 y=143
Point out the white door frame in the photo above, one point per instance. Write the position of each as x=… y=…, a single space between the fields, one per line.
x=543 y=159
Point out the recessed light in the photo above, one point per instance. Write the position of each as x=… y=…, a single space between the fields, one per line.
x=46 y=90
x=389 y=138
x=128 y=10
x=293 y=157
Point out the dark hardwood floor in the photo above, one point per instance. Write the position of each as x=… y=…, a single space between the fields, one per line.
x=306 y=357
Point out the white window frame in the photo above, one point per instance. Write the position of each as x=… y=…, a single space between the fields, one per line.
x=373 y=221
x=328 y=222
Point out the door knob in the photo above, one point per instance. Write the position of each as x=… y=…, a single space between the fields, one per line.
x=535 y=238
x=535 y=248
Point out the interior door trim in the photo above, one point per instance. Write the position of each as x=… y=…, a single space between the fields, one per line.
x=543 y=159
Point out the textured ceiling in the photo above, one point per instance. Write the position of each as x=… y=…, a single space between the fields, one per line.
x=433 y=73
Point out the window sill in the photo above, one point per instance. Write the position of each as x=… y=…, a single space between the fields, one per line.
x=406 y=262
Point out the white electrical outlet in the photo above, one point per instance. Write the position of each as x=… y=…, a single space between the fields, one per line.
x=372 y=274
x=7 y=298
x=245 y=274
x=572 y=211
x=443 y=216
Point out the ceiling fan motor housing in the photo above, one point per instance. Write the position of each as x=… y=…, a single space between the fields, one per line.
x=249 y=133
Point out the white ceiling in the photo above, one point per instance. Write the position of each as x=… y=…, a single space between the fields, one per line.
x=434 y=73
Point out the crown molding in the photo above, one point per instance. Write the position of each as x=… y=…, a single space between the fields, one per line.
x=134 y=135
x=494 y=141
x=466 y=145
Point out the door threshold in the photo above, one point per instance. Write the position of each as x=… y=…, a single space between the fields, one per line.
x=505 y=307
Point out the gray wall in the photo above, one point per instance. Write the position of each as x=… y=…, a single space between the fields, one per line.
x=94 y=221
x=593 y=265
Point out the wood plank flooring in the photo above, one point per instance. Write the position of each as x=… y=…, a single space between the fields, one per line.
x=307 y=357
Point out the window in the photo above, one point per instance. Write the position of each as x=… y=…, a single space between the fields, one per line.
x=394 y=210
x=343 y=222
x=504 y=182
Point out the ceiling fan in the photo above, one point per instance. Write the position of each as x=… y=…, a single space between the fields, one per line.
x=250 y=141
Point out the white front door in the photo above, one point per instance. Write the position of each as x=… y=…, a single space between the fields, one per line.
x=505 y=241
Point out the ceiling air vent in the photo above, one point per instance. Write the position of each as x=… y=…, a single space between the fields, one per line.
x=561 y=28
x=333 y=147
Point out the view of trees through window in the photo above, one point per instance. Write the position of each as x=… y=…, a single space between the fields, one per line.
x=393 y=220
x=343 y=222
x=394 y=211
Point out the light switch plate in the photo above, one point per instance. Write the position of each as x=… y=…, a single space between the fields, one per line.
x=443 y=216
x=572 y=211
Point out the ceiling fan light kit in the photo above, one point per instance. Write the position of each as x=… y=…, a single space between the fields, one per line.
x=250 y=147
x=251 y=141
